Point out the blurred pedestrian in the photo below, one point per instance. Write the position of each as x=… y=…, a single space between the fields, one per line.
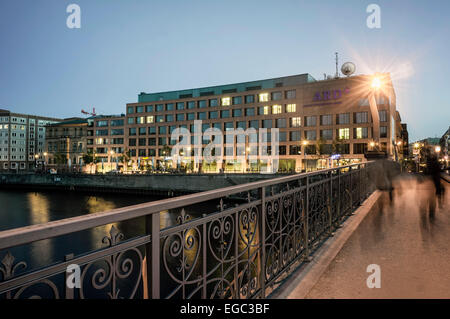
x=433 y=170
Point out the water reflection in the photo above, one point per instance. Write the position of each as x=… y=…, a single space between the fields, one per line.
x=19 y=209
x=39 y=208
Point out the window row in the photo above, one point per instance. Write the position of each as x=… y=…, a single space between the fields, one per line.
x=283 y=136
x=224 y=101
x=263 y=110
x=324 y=149
x=293 y=122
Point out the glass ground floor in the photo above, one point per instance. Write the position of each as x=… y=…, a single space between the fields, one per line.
x=285 y=164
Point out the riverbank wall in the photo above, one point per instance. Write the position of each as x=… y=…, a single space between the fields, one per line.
x=155 y=184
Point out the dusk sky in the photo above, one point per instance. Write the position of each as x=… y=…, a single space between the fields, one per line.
x=126 y=47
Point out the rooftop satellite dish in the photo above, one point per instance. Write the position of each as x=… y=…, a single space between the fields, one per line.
x=348 y=68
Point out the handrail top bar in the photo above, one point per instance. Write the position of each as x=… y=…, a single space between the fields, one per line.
x=27 y=234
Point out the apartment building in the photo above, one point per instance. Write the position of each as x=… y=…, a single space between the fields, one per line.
x=22 y=140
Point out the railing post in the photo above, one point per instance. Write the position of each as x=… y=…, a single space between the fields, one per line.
x=306 y=219
x=236 y=256
x=330 y=203
x=350 y=191
x=204 y=259
x=339 y=196
x=360 y=184
x=153 y=263
x=263 y=243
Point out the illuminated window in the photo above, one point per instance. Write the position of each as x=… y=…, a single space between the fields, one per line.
x=276 y=109
x=150 y=119
x=344 y=133
x=296 y=122
x=263 y=110
x=226 y=101
x=291 y=108
x=360 y=132
x=264 y=97
x=140 y=120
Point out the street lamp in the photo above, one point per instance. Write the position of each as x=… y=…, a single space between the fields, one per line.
x=111 y=159
x=45 y=159
x=375 y=87
x=418 y=146
x=437 y=149
x=305 y=143
x=248 y=158
x=376 y=83
x=36 y=156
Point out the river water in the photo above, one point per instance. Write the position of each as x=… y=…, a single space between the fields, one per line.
x=24 y=208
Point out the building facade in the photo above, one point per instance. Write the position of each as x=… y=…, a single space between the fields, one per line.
x=66 y=143
x=22 y=140
x=102 y=137
x=106 y=141
x=405 y=139
x=321 y=123
x=444 y=142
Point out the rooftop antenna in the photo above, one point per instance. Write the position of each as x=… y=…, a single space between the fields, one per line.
x=337 y=62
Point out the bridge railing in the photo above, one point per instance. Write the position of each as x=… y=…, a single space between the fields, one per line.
x=256 y=235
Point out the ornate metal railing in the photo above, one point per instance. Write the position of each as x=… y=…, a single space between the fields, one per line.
x=258 y=233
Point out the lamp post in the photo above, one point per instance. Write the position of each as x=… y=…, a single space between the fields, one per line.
x=305 y=143
x=417 y=147
x=189 y=157
x=36 y=156
x=248 y=159
x=111 y=158
x=45 y=160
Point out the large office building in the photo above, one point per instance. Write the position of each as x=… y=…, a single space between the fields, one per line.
x=321 y=123
x=22 y=140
